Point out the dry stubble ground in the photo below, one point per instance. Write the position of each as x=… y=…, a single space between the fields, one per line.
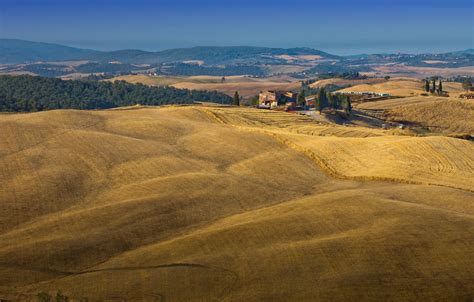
x=216 y=204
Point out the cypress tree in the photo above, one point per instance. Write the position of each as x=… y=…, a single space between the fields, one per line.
x=236 y=101
x=346 y=104
x=427 y=86
x=322 y=100
x=349 y=104
x=440 y=87
x=331 y=100
x=433 y=89
x=301 y=98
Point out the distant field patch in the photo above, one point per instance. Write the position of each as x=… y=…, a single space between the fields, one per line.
x=246 y=86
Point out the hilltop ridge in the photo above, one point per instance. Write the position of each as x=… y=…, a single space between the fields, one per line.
x=14 y=51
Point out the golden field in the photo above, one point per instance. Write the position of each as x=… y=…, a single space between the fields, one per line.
x=404 y=87
x=246 y=86
x=422 y=72
x=448 y=116
x=199 y=203
x=249 y=87
x=345 y=82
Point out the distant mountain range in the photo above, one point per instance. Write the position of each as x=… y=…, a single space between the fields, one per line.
x=42 y=59
x=18 y=51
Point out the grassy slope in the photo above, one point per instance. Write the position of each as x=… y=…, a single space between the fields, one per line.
x=442 y=115
x=403 y=87
x=361 y=153
x=192 y=204
x=439 y=114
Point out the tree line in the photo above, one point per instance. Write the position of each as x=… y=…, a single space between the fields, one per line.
x=430 y=86
x=326 y=99
x=332 y=100
x=28 y=93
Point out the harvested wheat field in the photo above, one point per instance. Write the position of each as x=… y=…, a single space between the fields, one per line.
x=403 y=87
x=226 y=204
x=423 y=72
x=449 y=116
x=346 y=82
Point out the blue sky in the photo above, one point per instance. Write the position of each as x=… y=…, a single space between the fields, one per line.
x=337 y=26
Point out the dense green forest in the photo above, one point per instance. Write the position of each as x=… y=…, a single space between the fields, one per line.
x=48 y=70
x=27 y=93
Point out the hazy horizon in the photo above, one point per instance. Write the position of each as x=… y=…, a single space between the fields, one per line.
x=74 y=45
x=337 y=27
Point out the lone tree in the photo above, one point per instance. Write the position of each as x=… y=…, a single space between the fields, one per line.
x=223 y=79
x=467 y=84
x=427 y=86
x=236 y=101
x=387 y=78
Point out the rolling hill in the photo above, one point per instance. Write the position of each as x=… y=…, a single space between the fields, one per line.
x=213 y=55
x=437 y=114
x=18 y=51
x=226 y=204
x=52 y=60
x=402 y=87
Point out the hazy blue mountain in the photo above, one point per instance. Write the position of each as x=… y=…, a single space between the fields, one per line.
x=469 y=51
x=125 y=56
x=234 y=54
x=220 y=61
x=18 y=51
x=211 y=55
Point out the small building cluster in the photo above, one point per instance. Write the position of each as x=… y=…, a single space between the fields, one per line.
x=272 y=99
x=275 y=98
